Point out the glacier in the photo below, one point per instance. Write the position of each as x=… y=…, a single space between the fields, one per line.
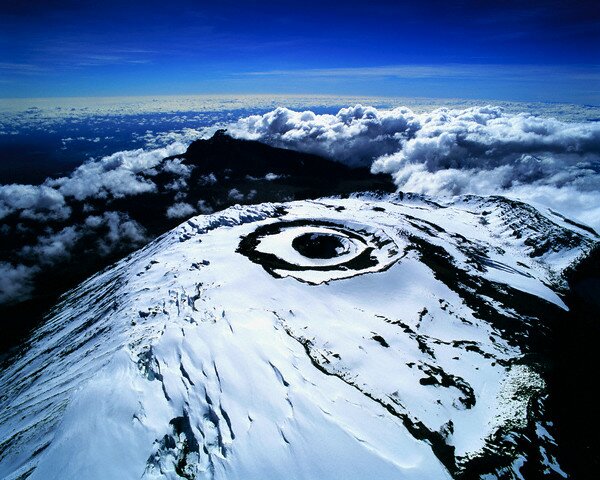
x=373 y=336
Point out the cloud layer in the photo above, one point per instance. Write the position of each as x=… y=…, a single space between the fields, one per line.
x=355 y=135
x=118 y=175
x=42 y=225
x=477 y=150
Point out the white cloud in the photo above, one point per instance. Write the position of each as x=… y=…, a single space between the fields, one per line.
x=120 y=227
x=209 y=179
x=204 y=207
x=118 y=175
x=485 y=151
x=16 y=282
x=53 y=247
x=478 y=150
x=355 y=135
x=177 y=184
x=121 y=230
x=103 y=234
x=115 y=175
x=180 y=210
x=176 y=167
x=98 y=234
x=93 y=221
x=32 y=201
x=235 y=194
x=272 y=176
x=269 y=177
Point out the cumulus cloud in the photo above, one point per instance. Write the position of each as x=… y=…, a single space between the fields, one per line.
x=204 y=207
x=209 y=179
x=119 y=230
x=41 y=216
x=104 y=233
x=116 y=175
x=177 y=184
x=272 y=176
x=180 y=210
x=32 y=201
x=487 y=137
x=16 y=282
x=355 y=135
x=479 y=150
x=235 y=195
x=269 y=177
x=53 y=247
x=176 y=167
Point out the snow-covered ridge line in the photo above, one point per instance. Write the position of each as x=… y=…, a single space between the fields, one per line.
x=182 y=359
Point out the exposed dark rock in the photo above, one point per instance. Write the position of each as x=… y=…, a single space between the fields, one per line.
x=314 y=245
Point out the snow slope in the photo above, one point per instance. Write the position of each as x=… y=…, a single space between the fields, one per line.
x=397 y=350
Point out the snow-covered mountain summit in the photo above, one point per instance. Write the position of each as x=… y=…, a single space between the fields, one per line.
x=367 y=337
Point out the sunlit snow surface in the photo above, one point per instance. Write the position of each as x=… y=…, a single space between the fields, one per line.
x=192 y=359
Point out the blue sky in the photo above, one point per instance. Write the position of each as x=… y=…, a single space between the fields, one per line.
x=513 y=50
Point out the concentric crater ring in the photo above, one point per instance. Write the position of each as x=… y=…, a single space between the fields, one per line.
x=318 y=251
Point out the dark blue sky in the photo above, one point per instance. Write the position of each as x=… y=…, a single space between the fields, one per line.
x=514 y=50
